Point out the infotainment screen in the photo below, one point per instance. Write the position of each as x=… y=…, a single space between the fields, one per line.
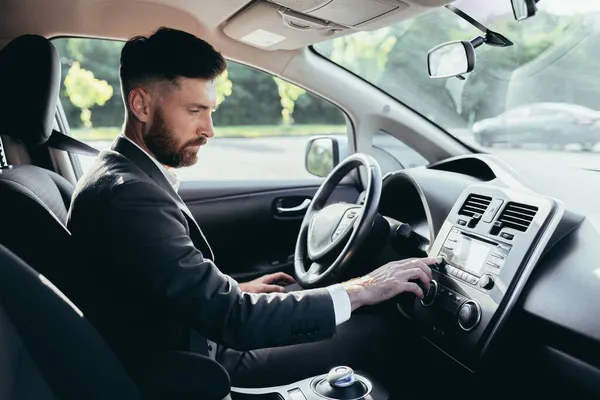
x=470 y=254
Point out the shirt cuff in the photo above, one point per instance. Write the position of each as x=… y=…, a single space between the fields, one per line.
x=341 y=303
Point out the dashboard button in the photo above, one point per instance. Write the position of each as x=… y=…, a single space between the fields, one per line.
x=462 y=222
x=507 y=236
x=474 y=220
x=492 y=209
x=473 y=280
x=469 y=315
x=430 y=295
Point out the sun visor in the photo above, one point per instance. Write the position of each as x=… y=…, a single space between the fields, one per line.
x=351 y=13
x=291 y=24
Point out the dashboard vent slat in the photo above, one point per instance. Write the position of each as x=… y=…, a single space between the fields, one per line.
x=517 y=216
x=475 y=204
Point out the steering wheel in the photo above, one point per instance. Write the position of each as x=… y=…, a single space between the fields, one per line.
x=327 y=229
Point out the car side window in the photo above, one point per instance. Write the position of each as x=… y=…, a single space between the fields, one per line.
x=393 y=154
x=262 y=123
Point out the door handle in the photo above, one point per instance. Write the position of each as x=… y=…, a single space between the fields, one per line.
x=292 y=210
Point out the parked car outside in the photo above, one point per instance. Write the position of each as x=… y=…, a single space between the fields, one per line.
x=555 y=125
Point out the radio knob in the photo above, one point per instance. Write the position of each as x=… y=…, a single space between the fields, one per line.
x=486 y=282
x=469 y=315
x=429 y=295
x=441 y=261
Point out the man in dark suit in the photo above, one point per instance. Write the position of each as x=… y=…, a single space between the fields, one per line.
x=150 y=268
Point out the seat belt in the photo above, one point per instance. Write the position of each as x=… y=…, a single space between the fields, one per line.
x=60 y=141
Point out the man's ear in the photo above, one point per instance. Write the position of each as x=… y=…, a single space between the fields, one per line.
x=139 y=104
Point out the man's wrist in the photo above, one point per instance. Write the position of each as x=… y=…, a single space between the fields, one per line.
x=356 y=293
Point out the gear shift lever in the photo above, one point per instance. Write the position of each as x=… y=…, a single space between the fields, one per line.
x=342 y=384
x=341 y=377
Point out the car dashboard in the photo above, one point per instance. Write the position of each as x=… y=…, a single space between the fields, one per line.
x=516 y=273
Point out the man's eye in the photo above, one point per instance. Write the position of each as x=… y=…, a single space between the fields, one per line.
x=195 y=111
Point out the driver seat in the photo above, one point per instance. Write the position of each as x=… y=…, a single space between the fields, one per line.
x=48 y=350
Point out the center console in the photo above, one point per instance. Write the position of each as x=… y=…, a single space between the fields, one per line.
x=487 y=248
x=341 y=383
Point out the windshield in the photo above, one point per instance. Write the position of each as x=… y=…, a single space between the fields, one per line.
x=541 y=95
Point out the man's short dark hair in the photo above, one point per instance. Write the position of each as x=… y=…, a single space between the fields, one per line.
x=165 y=56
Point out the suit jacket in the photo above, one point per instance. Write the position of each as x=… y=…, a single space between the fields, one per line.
x=145 y=281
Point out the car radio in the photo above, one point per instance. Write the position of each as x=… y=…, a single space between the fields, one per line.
x=472 y=259
x=486 y=247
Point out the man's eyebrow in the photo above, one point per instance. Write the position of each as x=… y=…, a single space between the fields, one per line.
x=199 y=105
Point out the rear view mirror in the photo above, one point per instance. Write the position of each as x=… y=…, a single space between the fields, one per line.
x=322 y=155
x=451 y=59
x=523 y=9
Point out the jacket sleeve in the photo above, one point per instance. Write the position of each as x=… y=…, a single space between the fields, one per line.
x=147 y=232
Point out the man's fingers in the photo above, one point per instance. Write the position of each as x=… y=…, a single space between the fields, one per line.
x=430 y=260
x=413 y=288
x=420 y=264
x=418 y=273
x=282 y=276
x=272 y=289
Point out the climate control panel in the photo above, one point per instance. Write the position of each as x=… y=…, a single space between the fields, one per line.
x=484 y=248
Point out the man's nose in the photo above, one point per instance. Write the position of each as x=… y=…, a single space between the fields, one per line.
x=208 y=129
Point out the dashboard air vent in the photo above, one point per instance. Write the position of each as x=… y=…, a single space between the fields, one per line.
x=475 y=204
x=517 y=216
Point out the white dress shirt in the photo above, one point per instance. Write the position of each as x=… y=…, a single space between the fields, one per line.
x=339 y=296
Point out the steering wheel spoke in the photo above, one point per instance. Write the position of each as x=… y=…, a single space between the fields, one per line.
x=335 y=231
x=314 y=272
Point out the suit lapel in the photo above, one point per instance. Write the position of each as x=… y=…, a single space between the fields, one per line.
x=144 y=162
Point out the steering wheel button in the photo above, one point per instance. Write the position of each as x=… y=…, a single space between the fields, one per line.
x=351 y=215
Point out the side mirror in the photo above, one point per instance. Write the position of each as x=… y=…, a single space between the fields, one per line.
x=523 y=9
x=451 y=59
x=322 y=155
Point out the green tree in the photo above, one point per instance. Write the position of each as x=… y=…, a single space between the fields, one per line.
x=365 y=53
x=85 y=91
x=288 y=93
x=224 y=87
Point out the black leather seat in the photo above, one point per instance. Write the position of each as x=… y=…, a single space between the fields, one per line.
x=59 y=351
x=48 y=350
x=34 y=200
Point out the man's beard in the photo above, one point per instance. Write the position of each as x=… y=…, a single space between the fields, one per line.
x=163 y=144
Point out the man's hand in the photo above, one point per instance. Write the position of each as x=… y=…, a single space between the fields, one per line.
x=389 y=280
x=264 y=284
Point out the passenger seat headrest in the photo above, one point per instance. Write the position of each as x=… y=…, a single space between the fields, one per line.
x=30 y=75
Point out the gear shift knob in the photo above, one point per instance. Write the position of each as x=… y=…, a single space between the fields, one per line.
x=340 y=377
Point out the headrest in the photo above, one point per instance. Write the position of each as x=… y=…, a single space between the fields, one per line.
x=29 y=87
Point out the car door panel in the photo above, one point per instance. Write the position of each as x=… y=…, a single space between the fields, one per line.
x=252 y=226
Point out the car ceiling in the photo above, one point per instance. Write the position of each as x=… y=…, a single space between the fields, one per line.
x=223 y=23
x=213 y=20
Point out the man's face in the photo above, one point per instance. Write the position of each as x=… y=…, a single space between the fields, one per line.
x=181 y=122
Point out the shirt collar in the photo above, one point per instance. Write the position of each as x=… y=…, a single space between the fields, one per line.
x=169 y=173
